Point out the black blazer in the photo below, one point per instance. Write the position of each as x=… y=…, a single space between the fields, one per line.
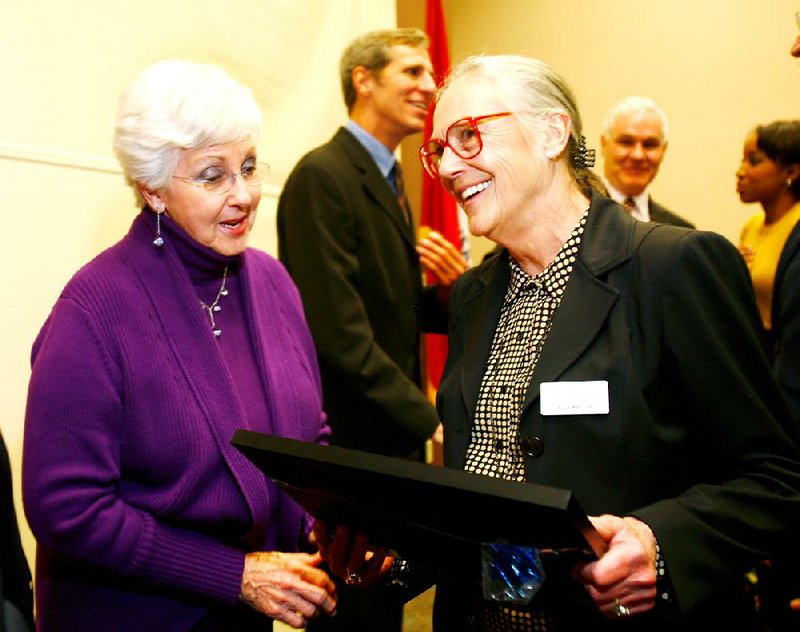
x=786 y=321
x=785 y=347
x=344 y=239
x=663 y=215
x=696 y=442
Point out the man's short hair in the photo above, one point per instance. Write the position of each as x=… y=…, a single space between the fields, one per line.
x=372 y=50
x=634 y=104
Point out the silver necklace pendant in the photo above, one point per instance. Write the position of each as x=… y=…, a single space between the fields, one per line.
x=215 y=307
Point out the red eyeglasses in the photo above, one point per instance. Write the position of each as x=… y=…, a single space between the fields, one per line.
x=463 y=137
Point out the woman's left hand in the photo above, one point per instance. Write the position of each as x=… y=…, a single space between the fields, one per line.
x=623 y=581
x=441 y=257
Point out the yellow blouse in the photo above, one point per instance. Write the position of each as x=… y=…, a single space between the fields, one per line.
x=761 y=245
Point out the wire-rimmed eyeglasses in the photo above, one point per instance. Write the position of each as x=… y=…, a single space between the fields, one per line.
x=463 y=137
x=217 y=181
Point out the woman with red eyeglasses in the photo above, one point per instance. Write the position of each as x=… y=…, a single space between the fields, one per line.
x=617 y=359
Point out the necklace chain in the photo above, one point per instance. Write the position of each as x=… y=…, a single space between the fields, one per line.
x=215 y=307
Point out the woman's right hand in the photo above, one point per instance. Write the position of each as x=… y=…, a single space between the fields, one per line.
x=287 y=586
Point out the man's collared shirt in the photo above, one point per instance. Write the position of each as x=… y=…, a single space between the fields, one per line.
x=380 y=153
x=642 y=202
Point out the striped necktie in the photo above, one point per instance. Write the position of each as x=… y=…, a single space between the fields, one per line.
x=630 y=204
x=400 y=190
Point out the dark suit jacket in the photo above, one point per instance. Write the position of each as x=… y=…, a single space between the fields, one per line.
x=785 y=347
x=343 y=237
x=663 y=215
x=696 y=442
x=786 y=322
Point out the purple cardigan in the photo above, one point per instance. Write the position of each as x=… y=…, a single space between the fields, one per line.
x=129 y=477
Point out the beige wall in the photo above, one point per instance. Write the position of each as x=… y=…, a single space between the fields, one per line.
x=717 y=67
x=66 y=64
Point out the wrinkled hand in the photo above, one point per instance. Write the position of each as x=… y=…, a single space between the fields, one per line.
x=350 y=556
x=287 y=586
x=441 y=257
x=626 y=573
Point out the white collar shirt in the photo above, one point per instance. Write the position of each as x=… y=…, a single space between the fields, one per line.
x=642 y=202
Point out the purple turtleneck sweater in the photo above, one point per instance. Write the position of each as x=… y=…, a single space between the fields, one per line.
x=142 y=509
x=205 y=268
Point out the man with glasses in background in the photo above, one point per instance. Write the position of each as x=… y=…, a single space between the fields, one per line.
x=346 y=235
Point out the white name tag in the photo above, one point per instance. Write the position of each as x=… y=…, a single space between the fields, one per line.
x=574 y=398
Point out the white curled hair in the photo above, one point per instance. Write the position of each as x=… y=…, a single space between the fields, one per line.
x=632 y=104
x=173 y=105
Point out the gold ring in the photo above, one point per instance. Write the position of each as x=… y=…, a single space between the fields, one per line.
x=620 y=610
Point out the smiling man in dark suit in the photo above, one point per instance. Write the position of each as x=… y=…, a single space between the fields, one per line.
x=346 y=236
x=633 y=145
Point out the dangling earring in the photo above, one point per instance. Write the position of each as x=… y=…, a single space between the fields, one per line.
x=159 y=240
x=789 y=182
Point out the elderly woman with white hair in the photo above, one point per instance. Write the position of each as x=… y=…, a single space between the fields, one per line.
x=146 y=517
x=614 y=358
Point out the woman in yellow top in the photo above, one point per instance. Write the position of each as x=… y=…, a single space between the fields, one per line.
x=769 y=174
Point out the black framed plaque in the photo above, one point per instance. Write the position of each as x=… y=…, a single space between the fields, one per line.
x=437 y=516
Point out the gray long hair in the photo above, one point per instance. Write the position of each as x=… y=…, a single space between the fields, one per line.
x=530 y=89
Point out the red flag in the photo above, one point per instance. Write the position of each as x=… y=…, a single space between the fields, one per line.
x=439 y=210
